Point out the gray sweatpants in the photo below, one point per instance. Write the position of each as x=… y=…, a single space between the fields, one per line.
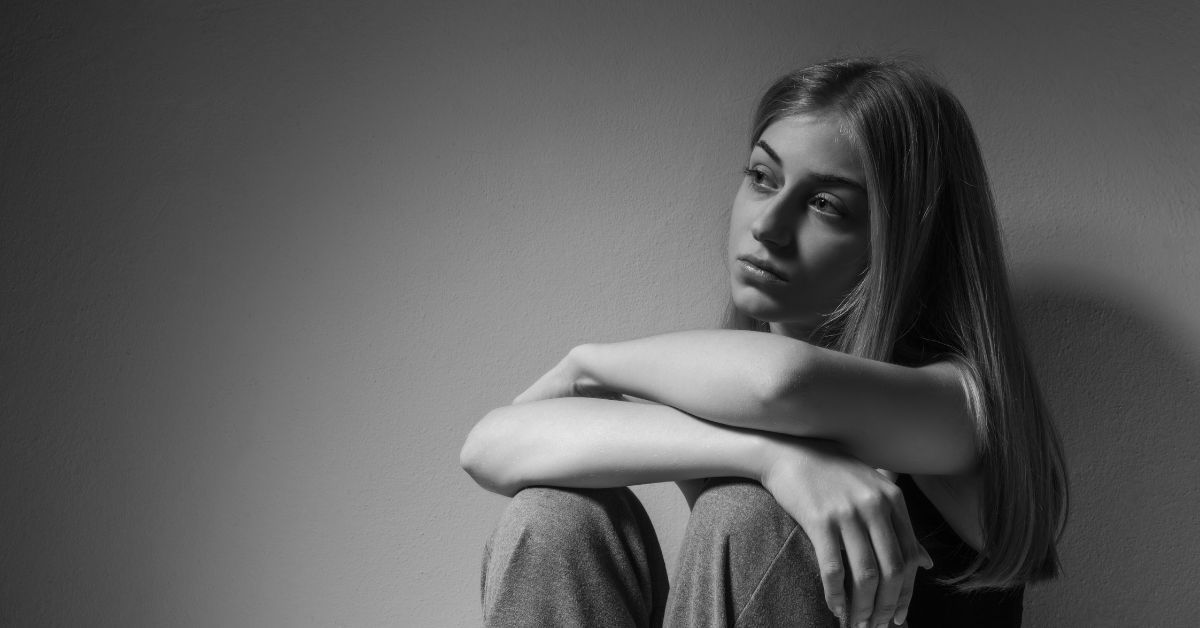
x=590 y=557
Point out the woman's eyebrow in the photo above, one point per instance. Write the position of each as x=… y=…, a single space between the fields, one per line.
x=770 y=151
x=819 y=176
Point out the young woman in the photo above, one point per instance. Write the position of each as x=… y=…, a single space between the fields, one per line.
x=864 y=444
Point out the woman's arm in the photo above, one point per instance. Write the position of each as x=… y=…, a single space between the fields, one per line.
x=597 y=443
x=909 y=420
x=845 y=507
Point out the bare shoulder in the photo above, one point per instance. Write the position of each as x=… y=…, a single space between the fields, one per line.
x=945 y=373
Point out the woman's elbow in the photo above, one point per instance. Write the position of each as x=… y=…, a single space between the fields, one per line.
x=967 y=456
x=785 y=392
x=950 y=453
x=956 y=463
x=471 y=456
x=482 y=456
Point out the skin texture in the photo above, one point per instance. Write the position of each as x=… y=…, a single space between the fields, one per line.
x=729 y=404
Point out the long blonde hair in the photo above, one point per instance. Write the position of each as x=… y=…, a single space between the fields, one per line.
x=936 y=289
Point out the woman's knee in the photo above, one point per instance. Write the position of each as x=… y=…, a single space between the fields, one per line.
x=740 y=509
x=743 y=548
x=546 y=531
x=575 y=554
x=741 y=520
x=552 y=516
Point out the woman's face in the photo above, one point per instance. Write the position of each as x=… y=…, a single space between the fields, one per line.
x=799 y=232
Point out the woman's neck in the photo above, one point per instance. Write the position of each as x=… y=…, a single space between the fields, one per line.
x=799 y=331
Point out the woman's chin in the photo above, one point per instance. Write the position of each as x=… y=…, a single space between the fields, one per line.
x=760 y=306
x=757 y=303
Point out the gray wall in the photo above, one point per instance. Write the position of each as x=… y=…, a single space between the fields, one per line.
x=264 y=264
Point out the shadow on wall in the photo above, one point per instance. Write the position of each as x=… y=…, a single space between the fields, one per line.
x=1125 y=398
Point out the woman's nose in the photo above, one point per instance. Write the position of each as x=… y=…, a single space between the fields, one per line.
x=772 y=227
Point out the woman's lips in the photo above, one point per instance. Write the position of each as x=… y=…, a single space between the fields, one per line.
x=761 y=269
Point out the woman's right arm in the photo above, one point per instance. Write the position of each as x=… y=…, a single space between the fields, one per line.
x=856 y=518
x=584 y=442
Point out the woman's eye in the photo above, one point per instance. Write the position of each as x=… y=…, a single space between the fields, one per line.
x=760 y=179
x=826 y=205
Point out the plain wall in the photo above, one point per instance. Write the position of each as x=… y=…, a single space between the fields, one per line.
x=264 y=264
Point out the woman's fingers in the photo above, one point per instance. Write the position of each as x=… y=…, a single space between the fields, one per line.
x=894 y=574
x=559 y=381
x=915 y=556
x=864 y=571
x=543 y=388
x=828 y=548
x=904 y=531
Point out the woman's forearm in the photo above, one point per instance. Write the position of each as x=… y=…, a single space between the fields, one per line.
x=597 y=443
x=907 y=419
x=730 y=376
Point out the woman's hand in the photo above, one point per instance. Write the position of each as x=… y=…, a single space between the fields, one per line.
x=858 y=524
x=566 y=379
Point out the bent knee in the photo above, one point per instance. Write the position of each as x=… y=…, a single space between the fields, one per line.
x=738 y=508
x=744 y=517
x=739 y=536
x=549 y=515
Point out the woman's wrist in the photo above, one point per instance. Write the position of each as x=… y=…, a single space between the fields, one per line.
x=582 y=363
x=777 y=450
x=768 y=449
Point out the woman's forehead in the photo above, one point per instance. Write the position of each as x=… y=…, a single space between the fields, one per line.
x=817 y=142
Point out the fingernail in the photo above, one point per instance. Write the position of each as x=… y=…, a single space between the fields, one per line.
x=861 y=624
x=899 y=620
x=840 y=612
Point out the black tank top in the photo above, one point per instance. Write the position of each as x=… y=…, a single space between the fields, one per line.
x=935 y=605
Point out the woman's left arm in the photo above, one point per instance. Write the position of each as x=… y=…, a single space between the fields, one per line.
x=905 y=419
